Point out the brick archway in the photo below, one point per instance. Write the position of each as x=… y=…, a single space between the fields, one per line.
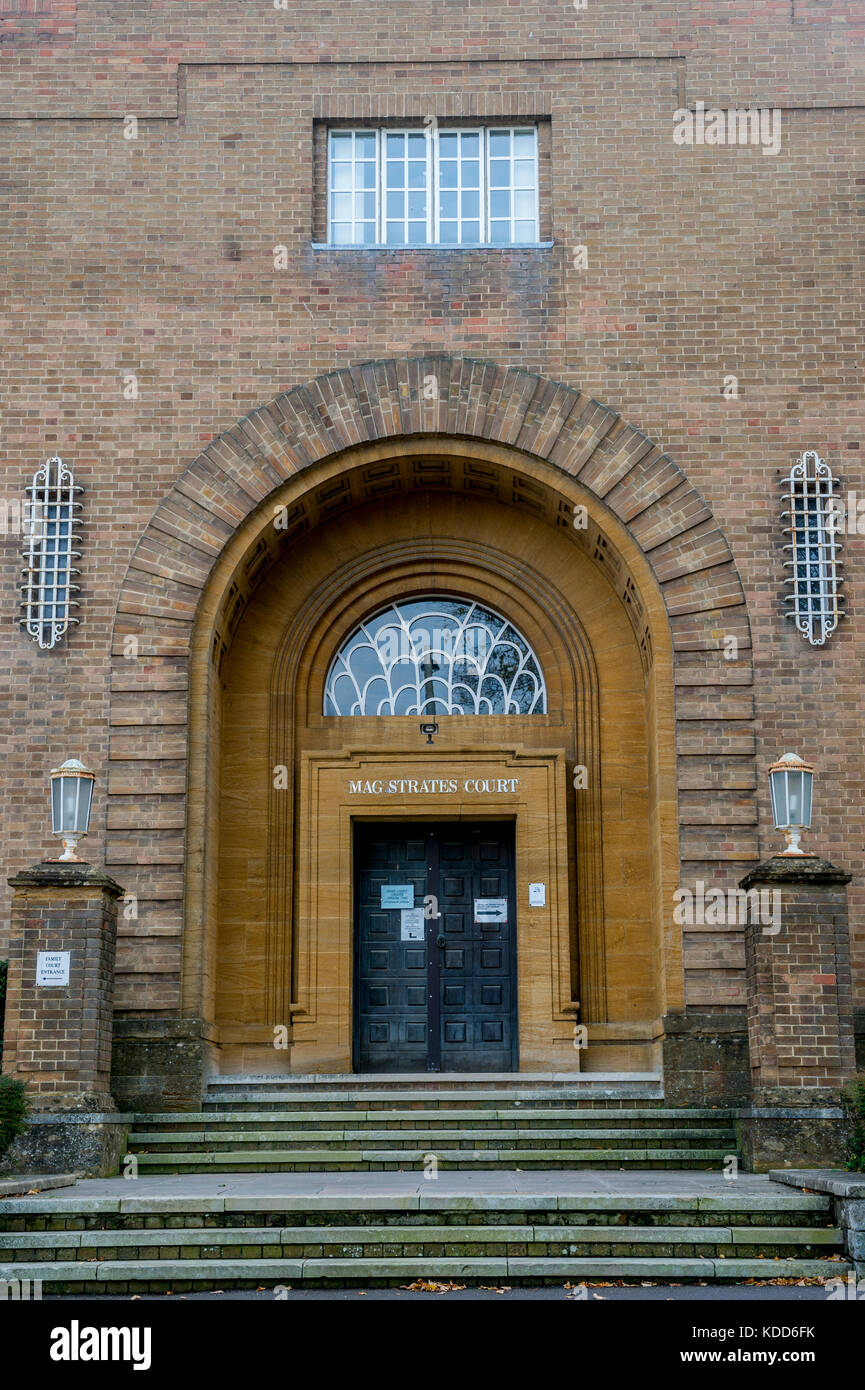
x=646 y=507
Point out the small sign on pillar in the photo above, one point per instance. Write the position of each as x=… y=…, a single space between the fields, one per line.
x=52 y=967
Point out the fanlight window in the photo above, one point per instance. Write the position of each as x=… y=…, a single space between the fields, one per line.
x=435 y=655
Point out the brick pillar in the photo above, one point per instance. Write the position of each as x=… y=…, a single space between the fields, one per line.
x=58 y=1036
x=800 y=1013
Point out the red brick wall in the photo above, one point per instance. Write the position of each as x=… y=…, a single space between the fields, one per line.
x=155 y=256
x=799 y=998
x=58 y=1038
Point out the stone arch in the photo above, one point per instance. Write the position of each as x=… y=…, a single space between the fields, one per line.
x=662 y=547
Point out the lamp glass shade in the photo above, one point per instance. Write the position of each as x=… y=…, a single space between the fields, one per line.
x=791 y=789
x=71 y=799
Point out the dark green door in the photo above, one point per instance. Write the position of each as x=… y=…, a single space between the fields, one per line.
x=435 y=963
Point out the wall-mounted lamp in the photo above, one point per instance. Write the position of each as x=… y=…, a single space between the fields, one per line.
x=790 y=783
x=71 y=799
x=429 y=730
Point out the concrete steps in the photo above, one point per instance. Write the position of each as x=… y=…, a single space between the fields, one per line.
x=183 y=1243
x=354 y=1124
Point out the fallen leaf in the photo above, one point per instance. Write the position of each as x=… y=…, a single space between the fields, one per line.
x=432 y=1286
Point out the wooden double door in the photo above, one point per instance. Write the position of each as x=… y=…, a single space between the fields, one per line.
x=435 y=957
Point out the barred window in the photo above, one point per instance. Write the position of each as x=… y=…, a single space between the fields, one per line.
x=439 y=187
x=814 y=549
x=50 y=548
x=435 y=655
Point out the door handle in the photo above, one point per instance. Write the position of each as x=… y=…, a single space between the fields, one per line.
x=440 y=939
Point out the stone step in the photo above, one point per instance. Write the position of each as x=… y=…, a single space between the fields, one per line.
x=318 y=1159
x=472 y=1096
x=514 y=1114
x=150 y=1139
x=425 y=1080
x=181 y=1275
x=308 y=1242
x=85 y=1212
x=773 y=1201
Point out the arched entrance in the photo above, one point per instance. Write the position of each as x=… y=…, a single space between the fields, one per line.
x=298 y=523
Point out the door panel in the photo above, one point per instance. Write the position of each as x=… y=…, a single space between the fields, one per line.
x=391 y=983
x=425 y=1006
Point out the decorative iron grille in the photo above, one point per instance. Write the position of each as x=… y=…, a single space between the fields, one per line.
x=435 y=655
x=814 y=580
x=47 y=586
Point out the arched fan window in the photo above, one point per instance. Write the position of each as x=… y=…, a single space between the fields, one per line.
x=435 y=655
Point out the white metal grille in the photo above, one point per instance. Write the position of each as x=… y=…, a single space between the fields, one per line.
x=814 y=563
x=47 y=586
x=435 y=655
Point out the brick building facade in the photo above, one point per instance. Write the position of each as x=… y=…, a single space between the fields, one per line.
x=266 y=425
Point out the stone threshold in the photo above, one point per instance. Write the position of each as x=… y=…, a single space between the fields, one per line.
x=434 y=1078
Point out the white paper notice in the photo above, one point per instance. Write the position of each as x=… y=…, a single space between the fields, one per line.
x=537 y=895
x=411 y=926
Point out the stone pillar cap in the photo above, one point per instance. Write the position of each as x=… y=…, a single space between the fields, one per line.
x=803 y=870
x=54 y=874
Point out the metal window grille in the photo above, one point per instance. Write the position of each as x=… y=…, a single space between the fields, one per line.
x=814 y=550
x=47 y=587
x=435 y=655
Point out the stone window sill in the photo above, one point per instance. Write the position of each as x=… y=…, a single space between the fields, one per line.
x=438 y=249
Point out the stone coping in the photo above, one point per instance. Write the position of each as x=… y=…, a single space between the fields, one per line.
x=788 y=1112
x=80 y=1117
x=834 y=1181
x=53 y=873
x=28 y=1182
x=796 y=869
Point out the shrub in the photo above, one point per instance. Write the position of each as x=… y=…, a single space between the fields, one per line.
x=13 y=1111
x=853 y=1102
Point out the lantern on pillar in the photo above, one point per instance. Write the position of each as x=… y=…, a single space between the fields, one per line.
x=71 y=799
x=790 y=783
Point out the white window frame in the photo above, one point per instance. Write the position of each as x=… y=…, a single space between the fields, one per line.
x=483 y=210
x=383 y=190
x=354 y=190
x=432 y=189
x=512 y=159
